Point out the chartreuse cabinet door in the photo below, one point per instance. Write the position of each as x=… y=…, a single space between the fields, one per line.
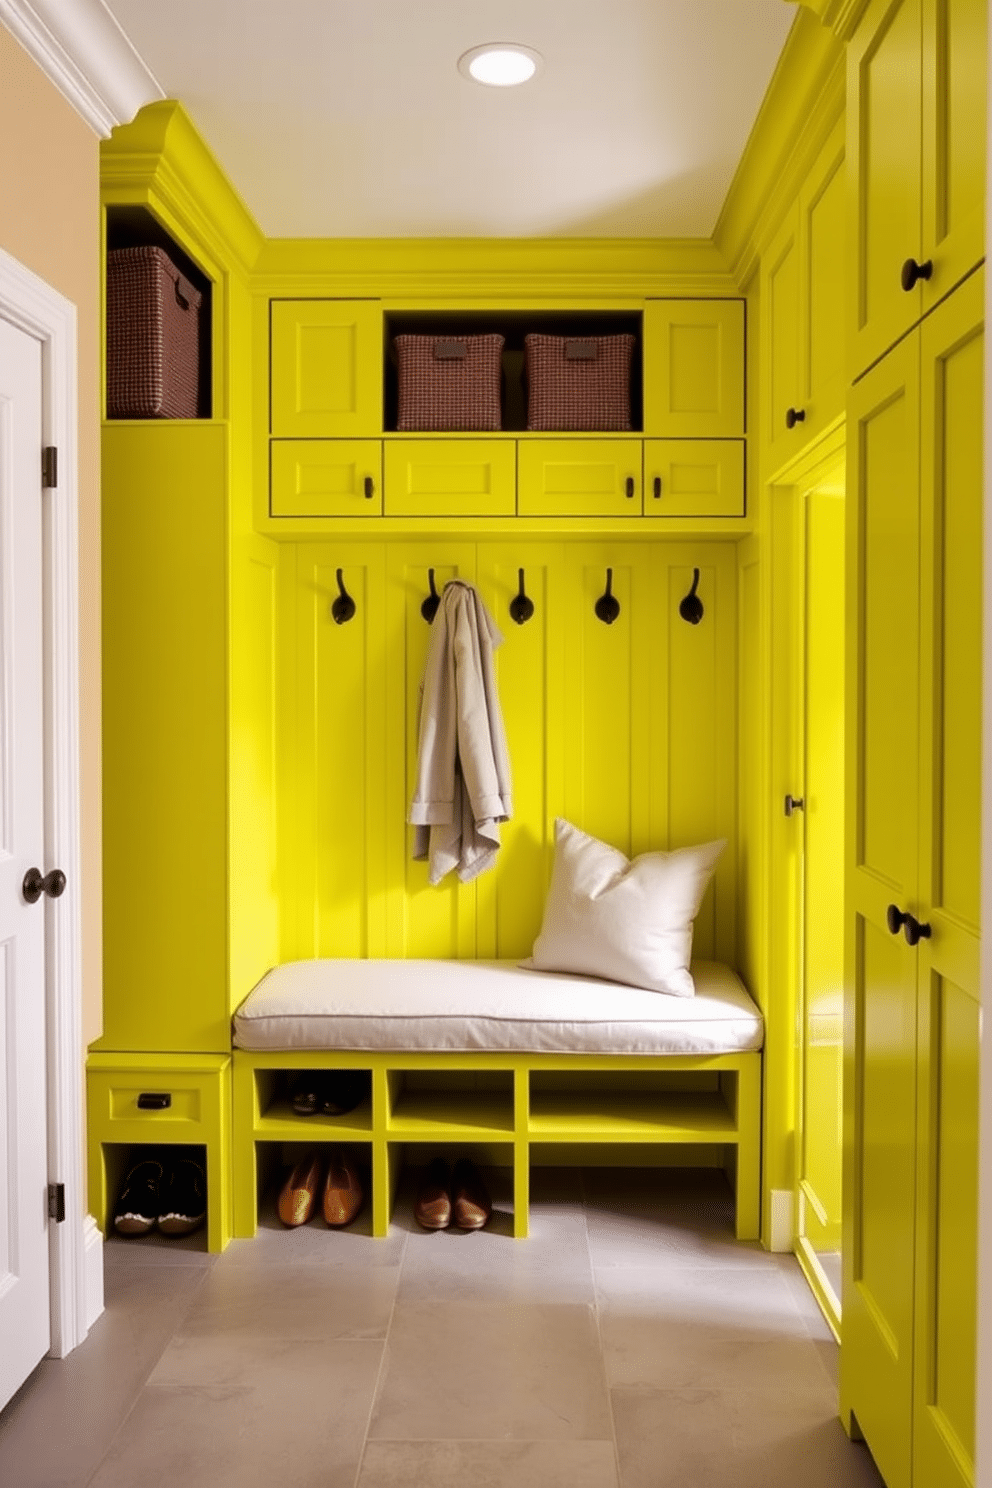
x=880 y=1019
x=694 y=368
x=911 y=1107
x=326 y=368
x=916 y=122
x=579 y=478
x=952 y=344
x=780 y=343
x=694 y=478
x=450 y=478
x=326 y=478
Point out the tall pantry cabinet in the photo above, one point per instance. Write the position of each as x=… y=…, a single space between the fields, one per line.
x=915 y=420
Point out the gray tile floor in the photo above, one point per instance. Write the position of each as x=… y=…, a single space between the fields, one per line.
x=631 y=1342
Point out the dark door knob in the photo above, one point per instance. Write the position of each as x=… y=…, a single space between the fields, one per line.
x=915 y=931
x=913 y=271
x=794 y=803
x=794 y=416
x=894 y=918
x=34 y=885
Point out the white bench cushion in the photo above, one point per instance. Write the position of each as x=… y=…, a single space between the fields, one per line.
x=492 y=1006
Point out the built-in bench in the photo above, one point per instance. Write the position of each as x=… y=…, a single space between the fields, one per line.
x=488 y=1054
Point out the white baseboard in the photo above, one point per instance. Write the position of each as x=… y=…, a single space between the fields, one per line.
x=92 y=1270
x=781 y=1220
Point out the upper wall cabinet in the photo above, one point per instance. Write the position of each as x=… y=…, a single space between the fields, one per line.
x=803 y=297
x=916 y=102
x=694 y=368
x=326 y=368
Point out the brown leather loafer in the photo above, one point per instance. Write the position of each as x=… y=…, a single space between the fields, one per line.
x=433 y=1206
x=343 y=1194
x=471 y=1205
x=299 y=1192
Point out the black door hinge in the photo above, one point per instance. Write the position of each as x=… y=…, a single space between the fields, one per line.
x=49 y=467
x=56 y=1202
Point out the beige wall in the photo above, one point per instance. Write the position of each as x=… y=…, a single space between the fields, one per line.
x=50 y=222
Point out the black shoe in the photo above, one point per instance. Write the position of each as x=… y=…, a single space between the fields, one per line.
x=330 y=1092
x=138 y=1203
x=183 y=1201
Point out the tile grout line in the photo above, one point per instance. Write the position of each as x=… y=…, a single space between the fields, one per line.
x=382 y=1362
x=599 y=1330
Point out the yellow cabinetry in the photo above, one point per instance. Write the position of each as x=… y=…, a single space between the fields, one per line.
x=694 y=477
x=694 y=368
x=916 y=130
x=326 y=371
x=579 y=478
x=911 y=1102
x=326 y=478
x=450 y=478
x=803 y=294
x=156 y=1100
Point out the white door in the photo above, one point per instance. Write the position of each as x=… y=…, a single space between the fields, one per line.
x=24 y=1299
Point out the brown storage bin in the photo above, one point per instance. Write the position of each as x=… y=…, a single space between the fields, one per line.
x=449 y=382
x=153 y=337
x=578 y=382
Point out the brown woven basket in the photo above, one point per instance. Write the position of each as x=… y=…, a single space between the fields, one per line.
x=153 y=337
x=449 y=382
x=578 y=382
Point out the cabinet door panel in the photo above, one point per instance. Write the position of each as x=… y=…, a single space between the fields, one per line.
x=880 y=1002
x=884 y=129
x=579 y=478
x=694 y=368
x=780 y=313
x=326 y=368
x=823 y=222
x=693 y=478
x=326 y=478
x=450 y=478
x=955 y=53
x=952 y=356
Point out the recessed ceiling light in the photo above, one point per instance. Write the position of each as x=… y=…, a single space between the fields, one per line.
x=500 y=64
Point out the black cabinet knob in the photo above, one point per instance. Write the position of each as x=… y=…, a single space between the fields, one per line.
x=369 y=488
x=914 y=931
x=657 y=488
x=894 y=918
x=35 y=884
x=794 y=803
x=630 y=488
x=913 y=271
x=794 y=416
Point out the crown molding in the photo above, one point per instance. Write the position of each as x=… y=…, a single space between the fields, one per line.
x=842 y=16
x=805 y=99
x=83 y=51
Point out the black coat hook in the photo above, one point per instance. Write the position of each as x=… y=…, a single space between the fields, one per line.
x=429 y=607
x=521 y=607
x=607 y=605
x=344 y=606
x=691 y=608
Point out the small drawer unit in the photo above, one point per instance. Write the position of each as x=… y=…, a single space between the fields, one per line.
x=694 y=478
x=579 y=478
x=326 y=478
x=153 y=1101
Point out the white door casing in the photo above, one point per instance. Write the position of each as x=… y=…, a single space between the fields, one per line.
x=24 y=1307
x=75 y=1272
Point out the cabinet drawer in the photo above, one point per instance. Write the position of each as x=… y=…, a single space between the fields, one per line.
x=694 y=368
x=450 y=478
x=579 y=478
x=154 y=1105
x=326 y=368
x=326 y=478
x=693 y=478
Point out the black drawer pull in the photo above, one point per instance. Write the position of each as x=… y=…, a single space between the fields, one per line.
x=369 y=485
x=657 y=488
x=912 y=272
x=154 y=1100
x=794 y=416
x=629 y=487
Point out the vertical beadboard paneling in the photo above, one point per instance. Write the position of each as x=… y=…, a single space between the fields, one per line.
x=529 y=679
x=421 y=920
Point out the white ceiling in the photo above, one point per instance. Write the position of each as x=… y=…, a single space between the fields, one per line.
x=349 y=118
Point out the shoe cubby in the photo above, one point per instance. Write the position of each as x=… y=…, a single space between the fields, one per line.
x=137 y=1101
x=506 y=1111
x=118 y=1160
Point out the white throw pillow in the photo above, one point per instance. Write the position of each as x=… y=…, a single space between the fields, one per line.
x=628 y=920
